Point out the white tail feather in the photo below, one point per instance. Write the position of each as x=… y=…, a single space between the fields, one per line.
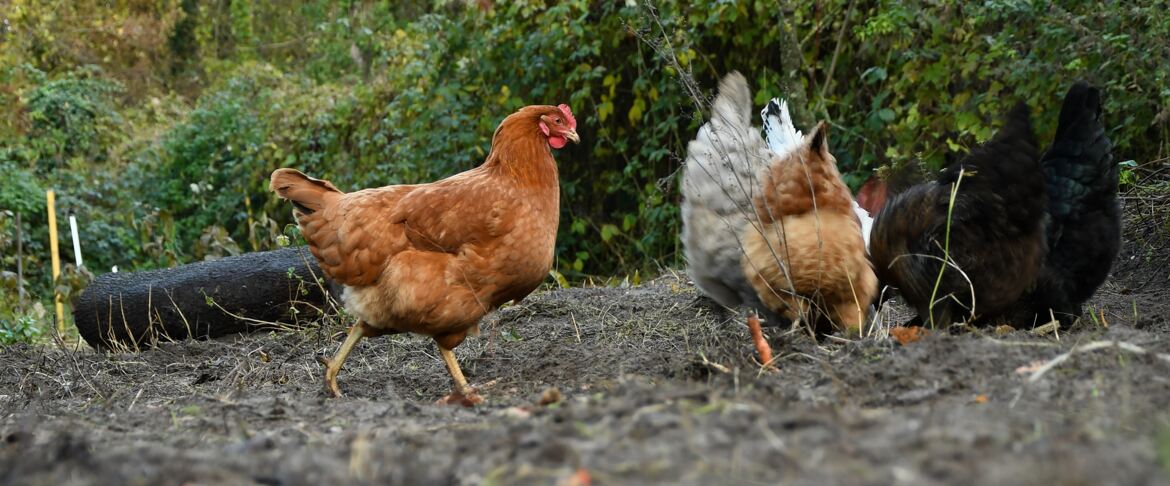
x=780 y=133
x=782 y=137
x=866 y=222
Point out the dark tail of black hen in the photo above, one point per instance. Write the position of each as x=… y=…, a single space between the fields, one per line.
x=1079 y=165
x=1084 y=230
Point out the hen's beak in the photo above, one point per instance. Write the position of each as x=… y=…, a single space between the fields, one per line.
x=572 y=135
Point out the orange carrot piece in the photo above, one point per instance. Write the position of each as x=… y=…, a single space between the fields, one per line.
x=762 y=346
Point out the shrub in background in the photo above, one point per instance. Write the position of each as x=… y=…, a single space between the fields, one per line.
x=165 y=156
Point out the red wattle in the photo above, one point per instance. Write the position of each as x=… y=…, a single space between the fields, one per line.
x=557 y=141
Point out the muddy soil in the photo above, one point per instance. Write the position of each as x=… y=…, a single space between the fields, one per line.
x=654 y=389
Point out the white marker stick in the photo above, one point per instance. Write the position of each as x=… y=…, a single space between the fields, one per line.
x=76 y=240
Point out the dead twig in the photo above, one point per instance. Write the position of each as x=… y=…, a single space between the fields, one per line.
x=1093 y=346
x=713 y=365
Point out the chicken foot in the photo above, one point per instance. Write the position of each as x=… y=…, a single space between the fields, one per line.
x=333 y=366
x=463 y=394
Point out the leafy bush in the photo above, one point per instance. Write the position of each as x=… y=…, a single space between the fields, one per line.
x=17 y=323
x=72 y=117
x=933 y=79
x=19 y=329
x=174 y=167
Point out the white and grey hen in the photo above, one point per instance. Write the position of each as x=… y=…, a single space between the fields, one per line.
x=720 y=179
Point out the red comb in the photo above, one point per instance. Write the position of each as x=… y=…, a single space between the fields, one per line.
x=569 y=115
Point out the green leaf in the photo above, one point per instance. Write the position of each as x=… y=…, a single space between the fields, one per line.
x=560 y=279
x=510 y=335
x=608 y=231
x=604 y=110
x=635 y=113
x=578 y=227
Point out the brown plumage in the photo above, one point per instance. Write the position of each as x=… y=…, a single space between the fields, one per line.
x=434 y=258
x=806 y=257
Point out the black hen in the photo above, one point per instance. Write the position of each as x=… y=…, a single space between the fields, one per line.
x=1084 y=231
x=996 y=231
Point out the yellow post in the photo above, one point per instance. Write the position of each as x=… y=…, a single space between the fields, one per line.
x=56 y=260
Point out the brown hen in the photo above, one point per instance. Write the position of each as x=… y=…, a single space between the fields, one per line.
x=435 y=258
x=806 y=258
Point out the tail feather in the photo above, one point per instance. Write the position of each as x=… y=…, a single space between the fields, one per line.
x=866 y=221
x=719 y=182
x=733 y=105
x=1079 y=164
x=779 y=131
x=1084 y=230
x=306 y=193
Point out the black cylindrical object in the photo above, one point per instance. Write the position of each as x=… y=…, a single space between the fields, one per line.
x=249 y=292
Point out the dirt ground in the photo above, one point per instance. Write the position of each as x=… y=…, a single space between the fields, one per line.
x=655 y=390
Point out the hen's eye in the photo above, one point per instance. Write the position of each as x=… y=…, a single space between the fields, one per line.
x=558 y=120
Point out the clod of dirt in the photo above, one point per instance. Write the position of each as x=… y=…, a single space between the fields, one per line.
x=550 y=396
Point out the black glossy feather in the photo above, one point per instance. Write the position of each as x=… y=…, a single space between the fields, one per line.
x=1084 y=230
x=996 y=230
x=1036 y=235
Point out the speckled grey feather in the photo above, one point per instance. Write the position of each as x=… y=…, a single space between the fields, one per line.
x=719 y=181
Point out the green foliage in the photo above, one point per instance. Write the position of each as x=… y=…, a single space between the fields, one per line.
x=21 y=191
x=241 y=13
x=936 y=77
x=1127 y=176
x=20 y=321
x=127 y=40
x=158 y=123
x=72 y=117
x=19 y=329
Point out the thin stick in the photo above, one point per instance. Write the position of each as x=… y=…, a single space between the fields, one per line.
x=132 y=402
x=575 y=326
x=19 y=266
x=713 y=365
x=836 y=53
x=76 y=239
x=59 y=340
x=270 y=324
x=1095 y=345
x=945 y=262
x=51 y=200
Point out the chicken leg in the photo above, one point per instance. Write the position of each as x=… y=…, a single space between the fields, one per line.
x=333 y=366
x=463 y=394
